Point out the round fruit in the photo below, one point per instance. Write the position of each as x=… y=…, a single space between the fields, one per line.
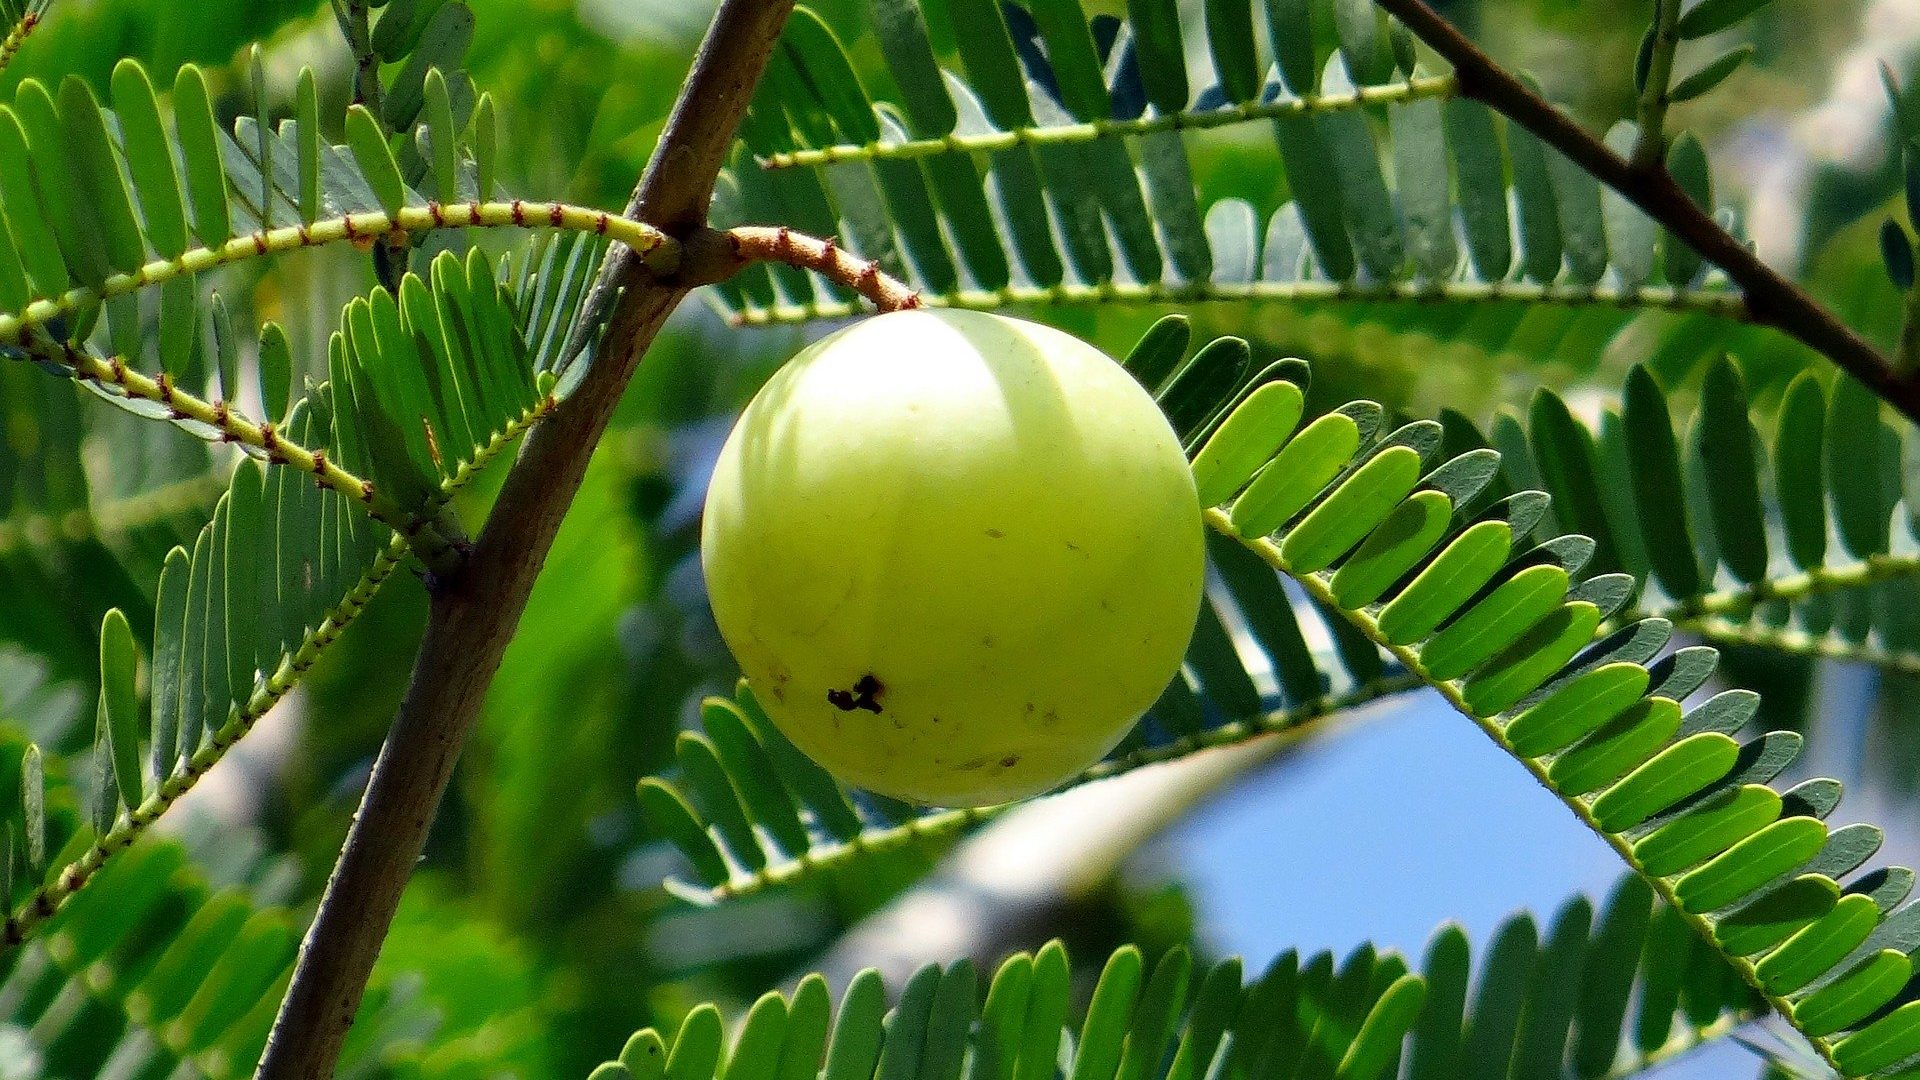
x=956 y=554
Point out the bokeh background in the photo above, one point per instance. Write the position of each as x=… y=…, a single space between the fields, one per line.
x=539 y=908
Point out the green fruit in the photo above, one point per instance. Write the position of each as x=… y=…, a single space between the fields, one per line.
x=956 y=554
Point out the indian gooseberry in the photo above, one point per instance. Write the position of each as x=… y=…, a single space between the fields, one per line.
x=957 y=555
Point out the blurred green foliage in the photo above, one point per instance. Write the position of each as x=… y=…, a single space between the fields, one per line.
x=538 y=906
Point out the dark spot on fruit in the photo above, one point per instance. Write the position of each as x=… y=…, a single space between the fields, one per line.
x=995 y=533
x=864 y=695
x=1009 y=761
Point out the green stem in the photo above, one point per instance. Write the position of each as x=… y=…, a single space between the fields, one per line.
x=353 y=19
x=1792 y=588
x=1650 y=148
x=659 y=251
x=1724 y=305
x=1411 y=90
x=1804 y=644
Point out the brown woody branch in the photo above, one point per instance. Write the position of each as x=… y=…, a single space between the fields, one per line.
x=474 y=612
x=1772 y=299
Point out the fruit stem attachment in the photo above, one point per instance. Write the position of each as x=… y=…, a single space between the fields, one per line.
x=764 y=243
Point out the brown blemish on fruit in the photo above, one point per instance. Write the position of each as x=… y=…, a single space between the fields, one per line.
x=995 y=533
x=1010 y=761
x=864 y=695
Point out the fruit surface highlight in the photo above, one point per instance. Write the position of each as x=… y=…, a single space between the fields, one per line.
x=956 y=554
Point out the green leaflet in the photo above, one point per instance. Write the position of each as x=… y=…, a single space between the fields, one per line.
x=668 y=816
x=1407 y=535
x=1855 y=995
x=441 y=45
x=1726 y=441
x=1766 y=922
x=1857 y=468
x=64 y=197
x=1348 y=1019
x=1712 y=16
x=199 y=148
x=1305 y=464
x=1353 y=510
x=1672 y=775
x=119 y=706
x=1251 y=435
x=1421 y=178
x=1687 y=161
x=902 y=33
x=1630 y=233
x=1230 y=38
x=1076 y=65
x=1654 y=456
x=375 y=158
x=32 y=231
x=1711 y=74
x=1156 y=38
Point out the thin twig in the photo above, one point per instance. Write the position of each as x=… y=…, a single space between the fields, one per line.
x=475 y=612
x=762 y=243
x=1772 y=298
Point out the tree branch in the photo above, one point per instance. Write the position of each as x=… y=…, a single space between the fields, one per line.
x=1773 y=299
x=474 y=614
x=767 y=243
